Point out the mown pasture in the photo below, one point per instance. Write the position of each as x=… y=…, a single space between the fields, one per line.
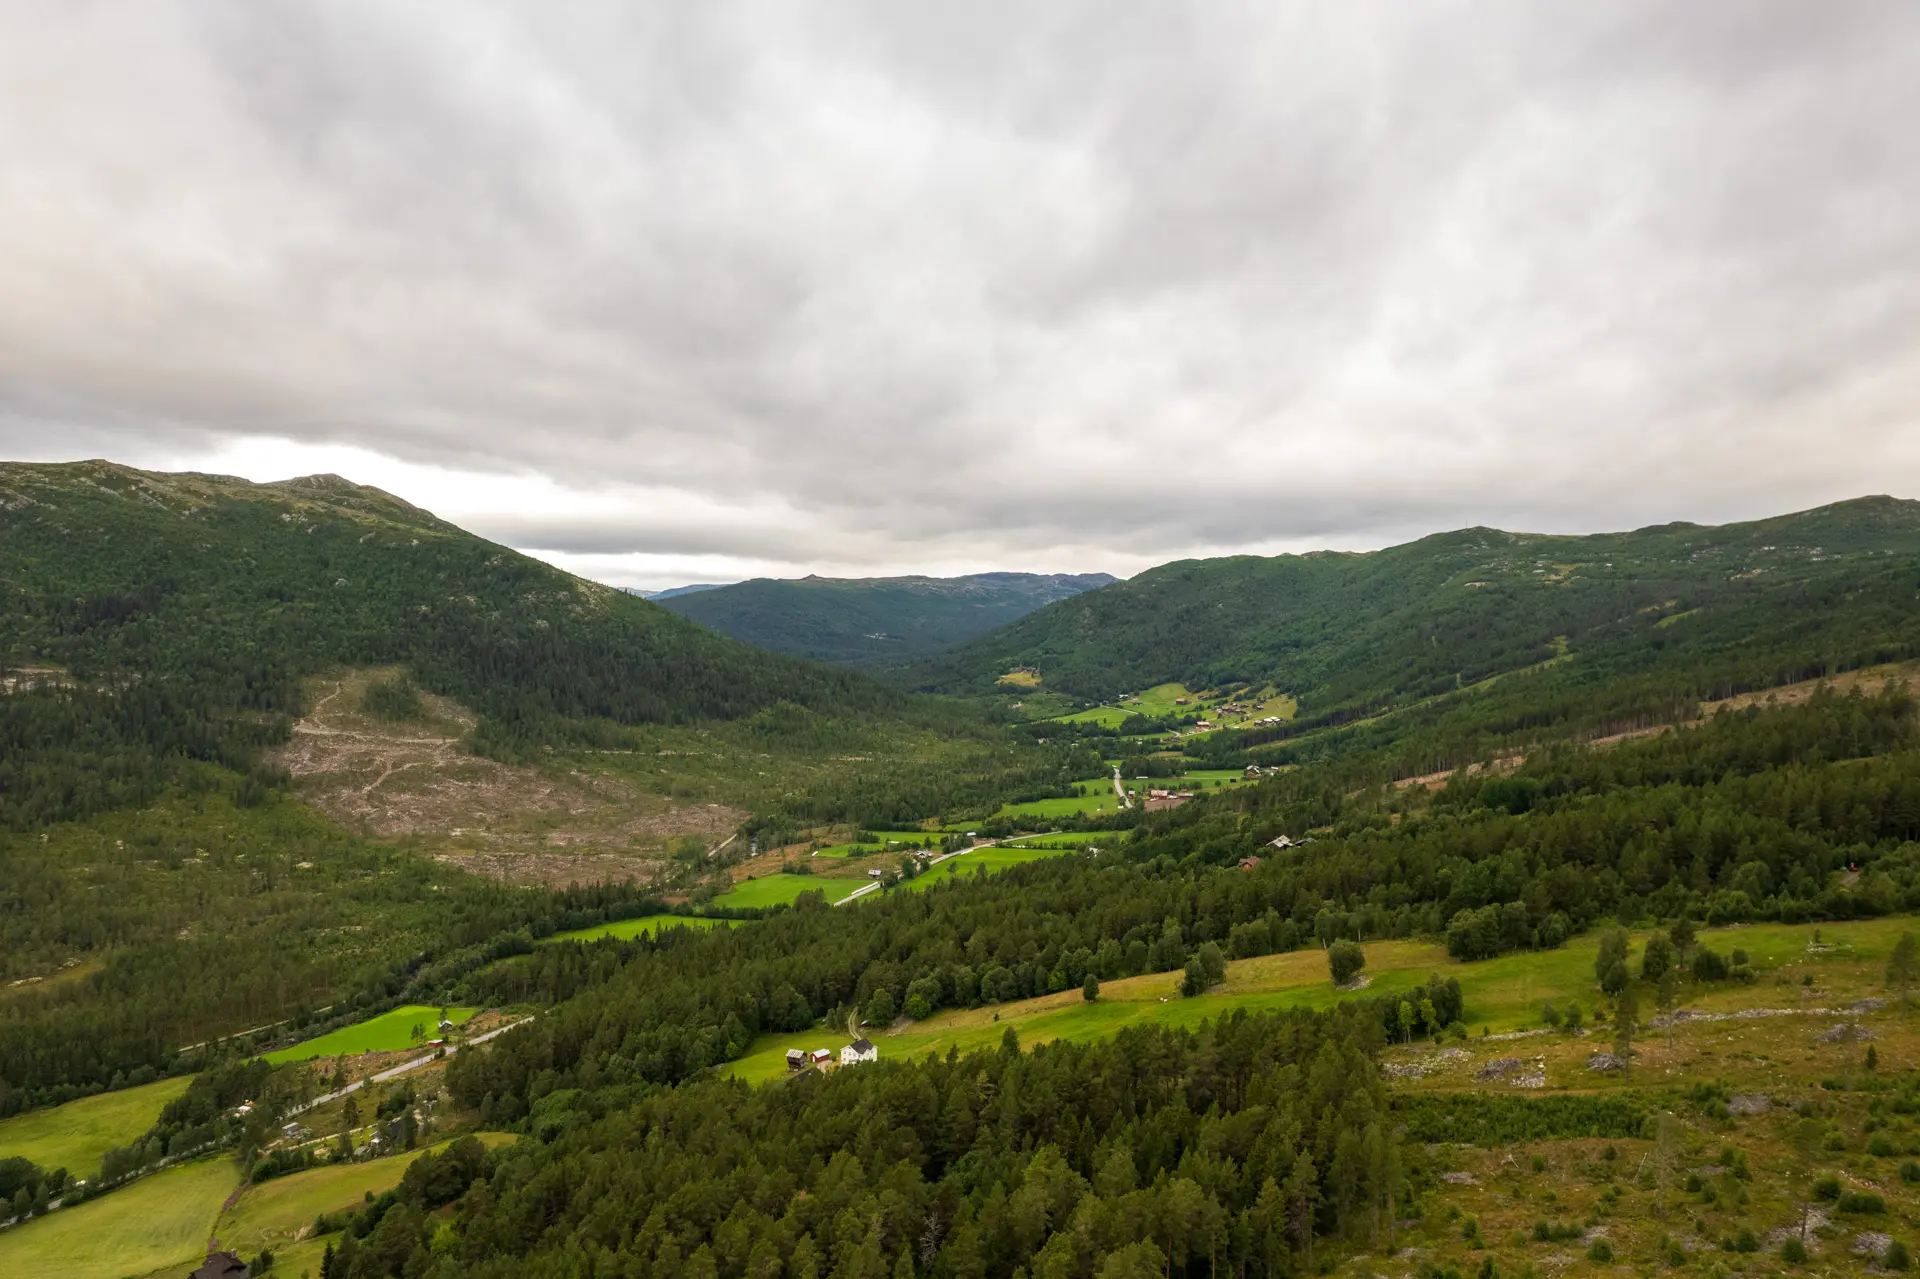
x=782 y=888
x=980 y=861
x=389 y=1032
x=158 y=1223
x=76 y=1135
x=1502 y=995
x=628 y=929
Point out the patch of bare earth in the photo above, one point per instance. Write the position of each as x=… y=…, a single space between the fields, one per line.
x=512 y=822
x=557 y=870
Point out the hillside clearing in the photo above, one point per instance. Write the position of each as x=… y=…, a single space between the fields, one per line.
x=1502 y=995
x=280 y=1213
x=75 y=1136
x=389 y=1032
x=628 y=929
x=162 y=1221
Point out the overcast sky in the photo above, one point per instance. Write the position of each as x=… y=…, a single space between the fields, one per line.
x=673 y=293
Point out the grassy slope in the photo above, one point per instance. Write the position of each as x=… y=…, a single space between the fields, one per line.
x=1503 y=994
x=781 y=889
x=868 y=620
x=159 y=1221
x=1446 y=612
x=628 y=929
x=273 y=1213
x=76 y=1135
x=981 y=861
x=184 y=571
x=1786 y=1059
x=389 y=1032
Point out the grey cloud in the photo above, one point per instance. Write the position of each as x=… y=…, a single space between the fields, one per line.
x=999 y=280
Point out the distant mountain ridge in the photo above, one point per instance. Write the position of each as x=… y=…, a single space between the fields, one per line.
x=1675 y=606
x=672 y=591
x=874 y=620
x=185 y=608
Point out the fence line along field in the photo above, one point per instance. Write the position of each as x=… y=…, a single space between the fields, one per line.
x=159 y=1223
x=75 y=1136
x=389 y=1032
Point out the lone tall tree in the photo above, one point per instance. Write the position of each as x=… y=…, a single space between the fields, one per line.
x=1667 y=998
x=1626 y=1020
x=1302 y=1194
x=1903 y=968
x=1610 y=965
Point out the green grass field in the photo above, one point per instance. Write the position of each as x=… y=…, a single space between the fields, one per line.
x=158 y=1222
x=781 y=889
x=76 y=1135
x=1098 y=799
x=1105 y=716
x=981 y=861
x=628 y=929
x=1063 y=839
x=389 y=1032
x=273 y=1213
x=1163 y=699
x=1503 y=994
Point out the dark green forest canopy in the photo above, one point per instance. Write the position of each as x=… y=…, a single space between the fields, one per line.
x=174 y=615
x=1757 y=814
x=195 y=917
x=1612 y=624
x=877 y=620
x=110 y=572
x=1229 y=1148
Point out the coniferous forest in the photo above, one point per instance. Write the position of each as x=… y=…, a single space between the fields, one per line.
x=170 y=906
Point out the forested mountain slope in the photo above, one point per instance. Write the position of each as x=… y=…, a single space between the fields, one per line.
x=876 y=619
x=151 y=615
x=1720 y=608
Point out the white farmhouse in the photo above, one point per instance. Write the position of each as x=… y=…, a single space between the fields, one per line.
x=859 y=1050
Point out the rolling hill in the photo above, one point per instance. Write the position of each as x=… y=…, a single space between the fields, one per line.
x=153 y=616
x=1687 y=609
x=159 y=884
x=876 y=620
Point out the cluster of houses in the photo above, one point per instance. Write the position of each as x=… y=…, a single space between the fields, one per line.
x=861 y=1049
x=1158 y=799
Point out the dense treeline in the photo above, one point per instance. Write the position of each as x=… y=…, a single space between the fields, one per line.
x=1227 y=1150
x=1754 y=839
x=1424 y=656
x=661 y=1009
x=901 y=793
x=198 y=917
x=177 y=614
x=873 y=620
x=1792 y=813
